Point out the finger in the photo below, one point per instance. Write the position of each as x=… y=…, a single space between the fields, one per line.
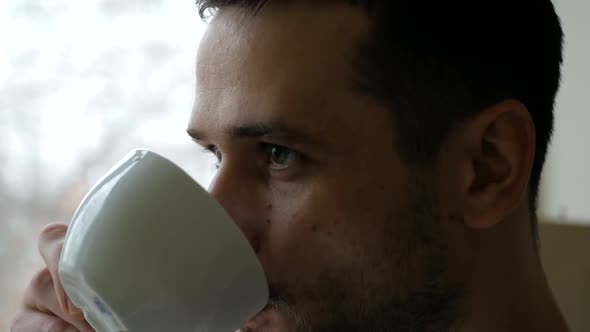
x=30 y=320
x=50 y=246
x=41 y=296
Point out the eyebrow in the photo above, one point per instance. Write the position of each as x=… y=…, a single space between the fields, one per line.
x=272 y=130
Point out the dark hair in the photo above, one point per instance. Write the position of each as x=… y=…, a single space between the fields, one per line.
x=437 y=62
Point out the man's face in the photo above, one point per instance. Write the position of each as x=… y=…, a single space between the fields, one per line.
x=348 y=236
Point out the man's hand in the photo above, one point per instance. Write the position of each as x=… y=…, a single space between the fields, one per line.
x=46 y=307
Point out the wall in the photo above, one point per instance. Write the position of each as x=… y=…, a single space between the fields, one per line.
x=566 y=188
x=564 y=249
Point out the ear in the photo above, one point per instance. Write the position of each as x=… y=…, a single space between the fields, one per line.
x=499 y=152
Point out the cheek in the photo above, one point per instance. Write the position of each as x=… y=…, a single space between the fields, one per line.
x=301 y=227
x=319 y=228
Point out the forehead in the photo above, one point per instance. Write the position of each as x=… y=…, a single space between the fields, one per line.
x=290 y=62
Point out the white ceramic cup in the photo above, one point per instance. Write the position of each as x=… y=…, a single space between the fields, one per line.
x=149 y=250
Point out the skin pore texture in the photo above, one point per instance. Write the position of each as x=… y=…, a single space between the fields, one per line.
x=351 y=237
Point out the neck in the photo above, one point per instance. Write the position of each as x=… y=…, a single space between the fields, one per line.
x=507 y=289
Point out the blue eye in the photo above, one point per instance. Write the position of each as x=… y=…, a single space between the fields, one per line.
x=215 y=151
x=279 y=157
x=218 y=156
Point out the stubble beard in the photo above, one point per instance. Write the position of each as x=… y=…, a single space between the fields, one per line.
x=403 y=287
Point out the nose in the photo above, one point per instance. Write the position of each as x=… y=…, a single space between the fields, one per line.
x=241 y=196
